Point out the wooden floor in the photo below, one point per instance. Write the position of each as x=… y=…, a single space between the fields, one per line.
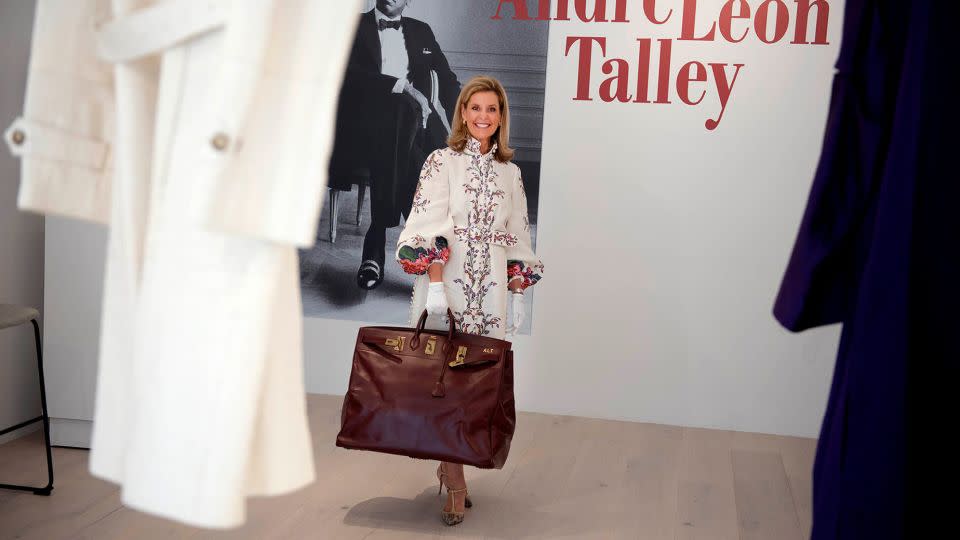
x=567 y=477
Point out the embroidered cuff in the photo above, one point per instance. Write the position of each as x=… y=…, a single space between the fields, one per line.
x=518 y=270
x=416 y=260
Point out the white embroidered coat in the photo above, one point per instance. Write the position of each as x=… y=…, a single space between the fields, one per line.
x=470 y=211
x=199 y=131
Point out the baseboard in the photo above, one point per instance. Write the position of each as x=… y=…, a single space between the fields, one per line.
x=25 y=430
x=68 y=432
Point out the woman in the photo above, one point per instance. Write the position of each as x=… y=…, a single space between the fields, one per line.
x=468 y=237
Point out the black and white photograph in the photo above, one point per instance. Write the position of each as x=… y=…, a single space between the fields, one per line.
x=408 y=63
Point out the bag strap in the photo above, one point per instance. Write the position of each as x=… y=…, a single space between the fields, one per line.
x=438 y=389
x=422 y=321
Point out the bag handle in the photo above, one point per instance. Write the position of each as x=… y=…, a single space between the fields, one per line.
x=415 y=340
x=438 y=389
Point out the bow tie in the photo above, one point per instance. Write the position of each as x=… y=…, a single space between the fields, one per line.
x=389 y=24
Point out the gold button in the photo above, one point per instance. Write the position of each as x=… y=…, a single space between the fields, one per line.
x=220 y=142
x=18 y=137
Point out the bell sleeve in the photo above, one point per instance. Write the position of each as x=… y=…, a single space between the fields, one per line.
x=522 y=263
x=424 y=239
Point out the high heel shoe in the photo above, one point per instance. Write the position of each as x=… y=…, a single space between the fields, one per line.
x=453 y=517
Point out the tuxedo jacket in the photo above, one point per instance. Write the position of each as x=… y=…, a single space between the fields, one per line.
x=364 y=81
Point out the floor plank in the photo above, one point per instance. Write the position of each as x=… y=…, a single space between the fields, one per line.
x=566 y=478
x=78 y=500
x=651 y=479
x=764 y=501
x=706 y=506
x=798 y=463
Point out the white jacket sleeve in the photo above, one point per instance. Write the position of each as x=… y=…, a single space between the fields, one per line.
x=274 y=116
x=425 y=236
x=522 y=262
x=63 y=137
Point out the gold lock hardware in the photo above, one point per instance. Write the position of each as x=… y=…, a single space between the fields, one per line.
x=461 y=357
x=431 y=346
x=396 y=343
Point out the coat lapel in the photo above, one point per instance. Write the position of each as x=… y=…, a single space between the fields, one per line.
x=410 y=39
x=367 y=33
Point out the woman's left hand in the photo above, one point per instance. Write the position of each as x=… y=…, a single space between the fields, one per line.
x=517 y=313
x=436 y=299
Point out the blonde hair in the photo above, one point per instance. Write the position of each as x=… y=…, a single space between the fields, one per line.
x=459 y=134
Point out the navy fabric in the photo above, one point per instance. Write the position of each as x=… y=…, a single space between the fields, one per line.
x=877 y=251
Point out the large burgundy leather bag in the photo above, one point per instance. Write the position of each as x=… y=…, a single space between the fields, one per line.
x=444 y=396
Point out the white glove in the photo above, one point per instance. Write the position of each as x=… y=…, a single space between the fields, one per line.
x=436 y=299
x=517 y=313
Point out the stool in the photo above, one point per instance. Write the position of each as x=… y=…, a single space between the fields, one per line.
x=357 y=175
x=11 y=316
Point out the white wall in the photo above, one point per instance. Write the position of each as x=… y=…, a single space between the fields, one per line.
x=21 y=235
x=75 y=255
x=698 y=224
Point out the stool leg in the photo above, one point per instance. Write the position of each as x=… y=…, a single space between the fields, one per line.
x=46 y=416
x=334 y=213
x=361 y=191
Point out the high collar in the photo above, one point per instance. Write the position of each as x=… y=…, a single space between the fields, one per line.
x=473 y=148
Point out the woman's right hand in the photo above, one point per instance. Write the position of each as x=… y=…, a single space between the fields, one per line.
x=436 y=299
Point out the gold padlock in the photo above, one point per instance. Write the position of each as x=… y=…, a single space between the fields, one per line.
x=431 y=346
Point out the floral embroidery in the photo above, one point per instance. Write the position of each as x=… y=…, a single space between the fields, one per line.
x=419 y=201
x=430 y=167
x=485 y=194
x=503 y=238
x=473 y=145
x=476 y=234
x=473 y=319
x=523 y=202
x=529 y=274
x=416 y=260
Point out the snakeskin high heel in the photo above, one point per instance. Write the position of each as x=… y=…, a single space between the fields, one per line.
x=453 y=517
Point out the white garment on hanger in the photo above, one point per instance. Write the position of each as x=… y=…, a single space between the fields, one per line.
x=199 y=131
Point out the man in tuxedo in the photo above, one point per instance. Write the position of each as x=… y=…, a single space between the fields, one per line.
x=395 y=108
